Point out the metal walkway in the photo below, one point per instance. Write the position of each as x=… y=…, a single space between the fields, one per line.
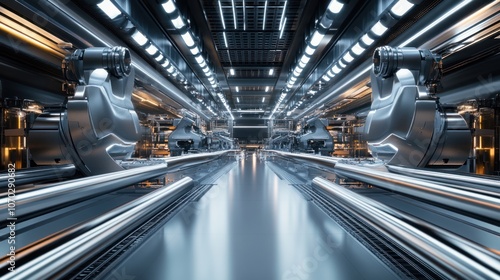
x=251 y=225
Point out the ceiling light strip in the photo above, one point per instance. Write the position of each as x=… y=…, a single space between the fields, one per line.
x=283 y=15
x=222 y=16
x=283 y=28
x=264 y=20
x=244 y=17
x=234 y=15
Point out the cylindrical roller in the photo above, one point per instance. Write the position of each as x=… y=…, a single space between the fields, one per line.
x=453 y=256
x=469 y=203
x=90 y=238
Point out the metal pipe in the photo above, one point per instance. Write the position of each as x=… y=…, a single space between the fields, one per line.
x=194 y=159
x=470 y=181
x=88 y=239
x=42 y=200
x=470 y=203
x=30 y=175
x=45 y=199
x=317 y=160
x=450 y=254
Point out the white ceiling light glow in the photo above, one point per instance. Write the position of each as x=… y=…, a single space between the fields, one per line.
x=178 y=22
x=367 y=39
x=316 y=38
x=335 y=6
x=169 y=6
x=357 y=49
x=401 y=7
x=139 y=38
x=152 y=49
x=264 y=20
x=379 y=28
x=109 y=9
x=188 y=39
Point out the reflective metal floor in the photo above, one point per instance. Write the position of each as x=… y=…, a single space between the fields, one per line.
x=251 y=225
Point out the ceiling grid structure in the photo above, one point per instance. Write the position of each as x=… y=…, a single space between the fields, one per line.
x=258 y=44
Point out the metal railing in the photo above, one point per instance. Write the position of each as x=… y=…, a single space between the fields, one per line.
x=75 y=246
x=451 y=255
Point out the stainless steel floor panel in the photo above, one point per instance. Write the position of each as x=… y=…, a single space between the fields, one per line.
x=251 y=225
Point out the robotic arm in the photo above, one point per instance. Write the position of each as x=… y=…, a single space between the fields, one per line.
x=98 y=126
x=406 y=124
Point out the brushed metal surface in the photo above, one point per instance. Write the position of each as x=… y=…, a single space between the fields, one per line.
x=251 y=225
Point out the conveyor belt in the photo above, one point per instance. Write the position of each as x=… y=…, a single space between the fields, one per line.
x=100 y=265
x=391 y=254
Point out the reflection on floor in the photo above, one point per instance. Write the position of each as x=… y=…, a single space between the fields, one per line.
x=251 y=225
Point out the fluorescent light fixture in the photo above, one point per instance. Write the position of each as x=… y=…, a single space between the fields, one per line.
x=139 y=38
x=234 y=15
x=237 y=89
x=159 y=58
x=267 y=88
x=282 y=15
x=109 y=9
x=238 y=99
x=401 y=7
x=171 y=69
x=203 y=64
x=335 y=6
x=348 y=57
x=169 y=6
x=206 y=70
x=152 y=49
x=188 y=39
x=244 y=17
x=222 y=16
x=271 y=71
x=225 y=39
x=195 y=50
x=326 y=78
x=436 y=22
x=283 y=28
x=336 y=69
x=342 y=64
x=214 y=85
x=178 y=22
x=305 y=59
x=309 y=50
x=263 y=99
x=302 y=65
x=166 y=63
x=330 y=74
x=264 y=21
x=367 y=40
x=357 y=49
x=199 y=59
x=316 y=38
x=293 y=79
x=379 y=28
